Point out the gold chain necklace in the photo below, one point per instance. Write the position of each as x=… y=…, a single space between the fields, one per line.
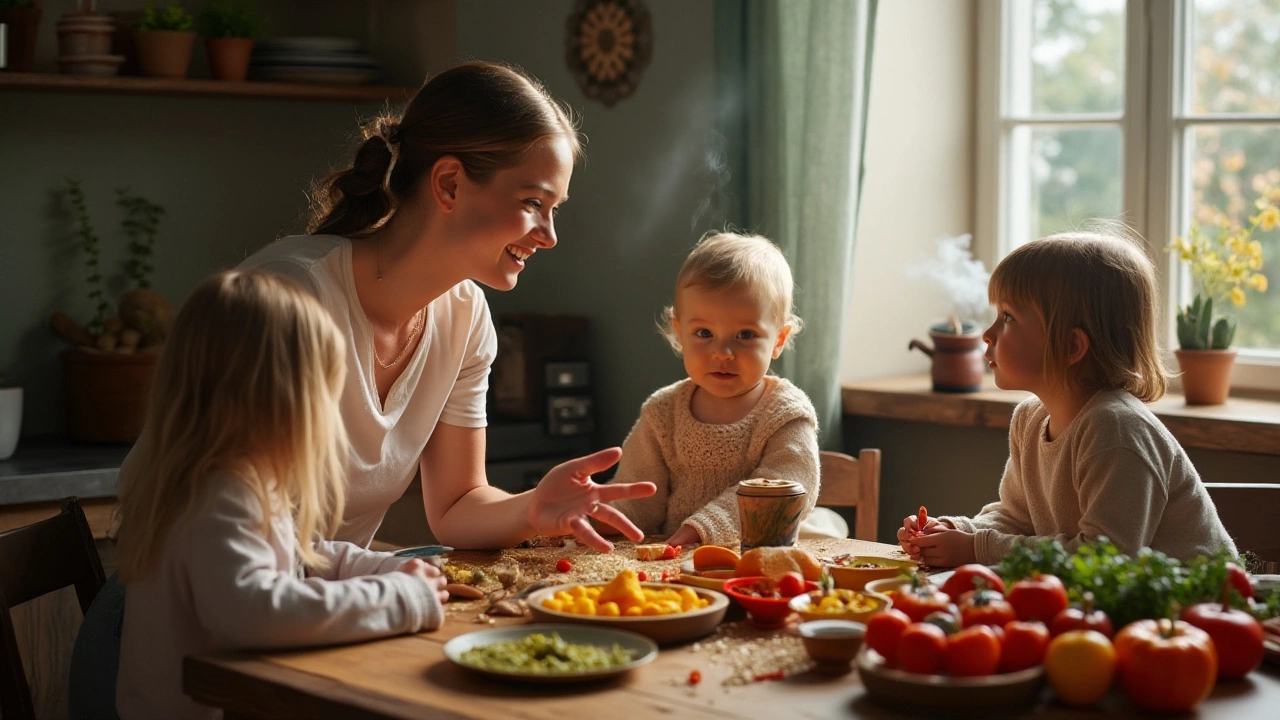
x=413 y=334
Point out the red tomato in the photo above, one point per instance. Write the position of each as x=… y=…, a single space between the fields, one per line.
x=671 y=552
x=961 y=580
x=1237 y=637
x=922 y=648
x=985 y=607
x=564 y=565
x=1240 y=580
x=920 y=598
x=1038 y=597
x=642 y=576
x=1165 y=665
x=884 y=630
x=1024 y=645
x=973 y=651
x=1081 y=618
x=791 y=584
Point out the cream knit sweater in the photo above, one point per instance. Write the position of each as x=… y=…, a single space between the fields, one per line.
x=1115 y=471
x=697 y=466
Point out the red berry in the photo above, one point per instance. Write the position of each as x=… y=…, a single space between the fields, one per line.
x=564 y=565
x=670 y=552
x=642 y=576
x=695 y=677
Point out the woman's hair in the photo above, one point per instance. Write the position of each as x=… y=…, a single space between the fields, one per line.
x=1102 y=283
x=248 y=383
x=487 y=115
x=729 y=261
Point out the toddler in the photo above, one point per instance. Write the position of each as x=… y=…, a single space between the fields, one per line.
x=240 y=468
x=729 y=420
x=1076 y=327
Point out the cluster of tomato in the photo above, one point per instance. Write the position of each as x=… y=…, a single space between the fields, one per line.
x=1166 y=665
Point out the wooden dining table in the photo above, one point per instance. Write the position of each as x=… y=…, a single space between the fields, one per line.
x=409 y=676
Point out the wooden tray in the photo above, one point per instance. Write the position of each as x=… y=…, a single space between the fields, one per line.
x=943 y=694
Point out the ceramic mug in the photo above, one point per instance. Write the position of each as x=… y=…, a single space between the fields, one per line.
x=769 y=512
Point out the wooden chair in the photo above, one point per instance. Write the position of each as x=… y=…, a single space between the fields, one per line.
x=852 y=482
x=35 y=560
x=1249 y=511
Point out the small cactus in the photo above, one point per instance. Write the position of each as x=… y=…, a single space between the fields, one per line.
x=1197 y=331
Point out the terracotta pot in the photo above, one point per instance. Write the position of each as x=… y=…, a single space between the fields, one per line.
x=229 y=58
x=1206 y=375
x=85 y=34
x=958 y=364
x=24 y=27
x=107 y=394
x=164 y=53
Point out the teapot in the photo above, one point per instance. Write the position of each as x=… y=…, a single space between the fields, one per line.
x=958 y=362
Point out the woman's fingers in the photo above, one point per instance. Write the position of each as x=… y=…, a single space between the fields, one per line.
x=612 y=516
x=591 y=464
x=626 y=491
x=586 y=534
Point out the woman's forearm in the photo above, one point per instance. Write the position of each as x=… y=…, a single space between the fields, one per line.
x=486 y=517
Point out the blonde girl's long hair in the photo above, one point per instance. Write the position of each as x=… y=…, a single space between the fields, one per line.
x=248 y=383
x=1102 y=283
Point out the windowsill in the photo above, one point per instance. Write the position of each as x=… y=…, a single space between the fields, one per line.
x=1243 y=424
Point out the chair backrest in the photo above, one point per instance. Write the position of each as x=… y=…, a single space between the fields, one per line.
x=853 y=482
x=1249 y=512
x=36 y=560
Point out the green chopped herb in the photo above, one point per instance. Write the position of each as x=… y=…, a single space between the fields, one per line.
x=546 y=655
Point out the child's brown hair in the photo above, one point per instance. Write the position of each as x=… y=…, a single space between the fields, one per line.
x=1103 y=284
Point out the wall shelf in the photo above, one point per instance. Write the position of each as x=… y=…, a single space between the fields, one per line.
x=53 y=82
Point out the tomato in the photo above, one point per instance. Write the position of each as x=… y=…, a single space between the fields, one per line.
x=985 y=607
x=922 y=648
x=564 y=565
x=1023 y=646
x=920 y=598
x=1081 y=665
x=791 y=584
x=949 y=623
x=1082 y=618
x=671 y=552
x=642 y=576
x=973 y=651
x=695 y=677
x=884 y=630
x=1165 y=665
x=1237 y=637
x=961 y=580
x=1038 y=597
x=1240 y=580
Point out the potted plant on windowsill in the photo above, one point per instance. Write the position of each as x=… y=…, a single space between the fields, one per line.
x=107 y=376
x=164 y=39
x=23 y=20
x=1222 y=268
x=229 y=28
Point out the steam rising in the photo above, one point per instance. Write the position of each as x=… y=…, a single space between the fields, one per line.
x=962 y=278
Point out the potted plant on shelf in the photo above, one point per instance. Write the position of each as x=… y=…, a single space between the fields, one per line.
x=107 y=376
x=10 y=417
x=23 y=20
x=1222 y=268
x=229 y=28
x=958 y=364
x=164 y=39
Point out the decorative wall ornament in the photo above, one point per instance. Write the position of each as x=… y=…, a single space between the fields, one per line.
x=608 y=44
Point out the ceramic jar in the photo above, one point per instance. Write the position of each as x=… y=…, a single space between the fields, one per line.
x=958 y=362
x=769 y=512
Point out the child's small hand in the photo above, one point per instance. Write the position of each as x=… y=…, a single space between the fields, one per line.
x=686 y=535
x=911 y=529
x=425 y=570
x=943 y=547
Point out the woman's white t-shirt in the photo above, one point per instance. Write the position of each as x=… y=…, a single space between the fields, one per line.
x=445 y=380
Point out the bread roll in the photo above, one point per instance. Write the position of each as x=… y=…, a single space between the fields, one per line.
x=774 y=562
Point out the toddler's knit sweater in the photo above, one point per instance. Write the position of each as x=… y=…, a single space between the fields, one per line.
x=697 y=466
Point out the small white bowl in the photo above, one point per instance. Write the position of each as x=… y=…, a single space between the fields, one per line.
x=832 y=644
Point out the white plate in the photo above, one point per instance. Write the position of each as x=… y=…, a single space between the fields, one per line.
x=319 y=75
x=308 y=44
x=642 y=648
x=314 y=59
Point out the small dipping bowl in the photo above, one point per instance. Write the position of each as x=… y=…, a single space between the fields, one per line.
x=832 y=644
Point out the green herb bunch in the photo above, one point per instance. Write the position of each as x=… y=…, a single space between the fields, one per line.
x=172 y=17
x=1150 y=585
x=92 y=247
x=232 y=19
x=142 y=218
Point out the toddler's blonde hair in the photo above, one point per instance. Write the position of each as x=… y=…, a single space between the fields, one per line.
x=730 y=261
x=248 y=383
x=1102 y=283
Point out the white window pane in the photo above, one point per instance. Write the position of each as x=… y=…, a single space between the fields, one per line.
x=1235 y=62
x=1064 y=178
x=1077 y=56
x=1232 y=167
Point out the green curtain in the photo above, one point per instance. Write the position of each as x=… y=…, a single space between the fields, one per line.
x=792 y=79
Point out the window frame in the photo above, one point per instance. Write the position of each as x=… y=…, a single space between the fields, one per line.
x=1155 y=198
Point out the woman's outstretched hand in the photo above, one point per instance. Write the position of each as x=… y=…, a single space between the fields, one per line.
x=567 y=496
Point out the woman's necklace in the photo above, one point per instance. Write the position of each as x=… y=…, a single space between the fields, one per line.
x=413 y=334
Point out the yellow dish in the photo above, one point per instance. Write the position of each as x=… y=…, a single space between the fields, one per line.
x=850 y=577
x=806 y=604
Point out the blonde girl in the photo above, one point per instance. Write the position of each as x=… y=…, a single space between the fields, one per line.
x=729 y=420
x=239 y=470
x=1076 y=327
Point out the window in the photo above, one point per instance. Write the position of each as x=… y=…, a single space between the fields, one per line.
x=1154 y=113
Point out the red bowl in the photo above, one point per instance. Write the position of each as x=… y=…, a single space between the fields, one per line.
x=762 y=612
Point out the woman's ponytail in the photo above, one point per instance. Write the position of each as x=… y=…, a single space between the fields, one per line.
x=351 y=201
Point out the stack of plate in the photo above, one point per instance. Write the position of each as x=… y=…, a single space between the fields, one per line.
x=313 y=60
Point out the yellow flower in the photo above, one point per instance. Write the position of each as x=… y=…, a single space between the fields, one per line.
x=1237 y=297
x=1267 y=219
x=1258 y=282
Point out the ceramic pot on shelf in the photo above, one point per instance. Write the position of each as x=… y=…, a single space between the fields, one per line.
x=958 y=364
x=10 y=420
x=164 y=53
x=229 y=58
x=107 y=394
x=1206 y=375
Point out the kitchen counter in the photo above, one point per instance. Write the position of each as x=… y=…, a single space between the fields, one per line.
x=50 y=470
